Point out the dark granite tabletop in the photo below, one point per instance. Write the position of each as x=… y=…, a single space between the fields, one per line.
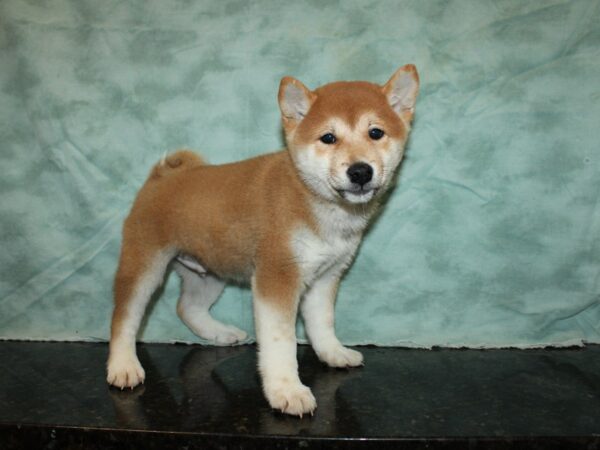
x=54 y=395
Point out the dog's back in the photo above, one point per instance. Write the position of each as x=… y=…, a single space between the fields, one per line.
x=220 y=214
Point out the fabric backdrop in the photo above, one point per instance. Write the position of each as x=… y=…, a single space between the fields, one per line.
x=491 y=237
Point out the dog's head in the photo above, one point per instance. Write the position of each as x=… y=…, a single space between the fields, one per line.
x=347 y=138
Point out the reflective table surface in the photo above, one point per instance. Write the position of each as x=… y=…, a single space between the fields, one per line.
x=54 y=395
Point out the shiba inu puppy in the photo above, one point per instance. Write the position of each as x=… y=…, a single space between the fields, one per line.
x=288 y=222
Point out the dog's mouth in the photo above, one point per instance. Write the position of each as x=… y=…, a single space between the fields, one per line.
x=358 y=195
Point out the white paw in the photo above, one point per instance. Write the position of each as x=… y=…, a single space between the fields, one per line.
x=290 y=397
x=229 y=335
x=340 y=356
x=125 y=372
x=212 y=330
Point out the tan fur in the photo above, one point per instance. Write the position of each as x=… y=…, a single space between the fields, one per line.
x=233 y=218
x=333 y=101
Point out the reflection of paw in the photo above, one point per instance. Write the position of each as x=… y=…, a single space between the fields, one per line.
x=125 y=372
x=290 y=397
x=127 y=399
x=340 y=356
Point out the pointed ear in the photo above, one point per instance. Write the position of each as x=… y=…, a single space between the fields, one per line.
x=294 y=99
x=401 y=91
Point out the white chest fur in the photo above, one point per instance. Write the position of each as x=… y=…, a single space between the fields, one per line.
x=333 y=247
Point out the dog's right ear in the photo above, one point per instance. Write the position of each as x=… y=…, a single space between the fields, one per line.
x=295 y=100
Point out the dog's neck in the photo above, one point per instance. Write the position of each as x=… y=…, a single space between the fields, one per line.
x=346 y=220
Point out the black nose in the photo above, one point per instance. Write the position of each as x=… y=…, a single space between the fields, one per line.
x=360 y=173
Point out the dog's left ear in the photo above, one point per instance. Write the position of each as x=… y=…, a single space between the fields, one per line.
x=295 y=100
x=401 y=91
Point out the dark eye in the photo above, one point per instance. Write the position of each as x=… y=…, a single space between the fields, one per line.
x=376 y=134
x=328 y=138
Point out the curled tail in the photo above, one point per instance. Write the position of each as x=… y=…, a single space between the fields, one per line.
x=182 y=159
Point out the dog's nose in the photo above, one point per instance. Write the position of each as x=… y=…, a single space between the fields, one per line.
x=360 y=173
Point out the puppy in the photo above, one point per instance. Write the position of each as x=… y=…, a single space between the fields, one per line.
x=289 y=222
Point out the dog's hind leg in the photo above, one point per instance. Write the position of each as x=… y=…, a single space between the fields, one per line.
x=140 y=273
x=198 y=293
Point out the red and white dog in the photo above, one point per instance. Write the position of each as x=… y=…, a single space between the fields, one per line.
x=289 y=222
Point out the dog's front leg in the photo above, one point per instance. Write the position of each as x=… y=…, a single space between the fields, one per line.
x=318 y=313
x=275 y=309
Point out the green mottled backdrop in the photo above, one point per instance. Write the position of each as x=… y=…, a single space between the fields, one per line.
x=491 y=238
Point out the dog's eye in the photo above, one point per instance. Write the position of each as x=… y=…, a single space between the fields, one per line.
x=376 y=134
x=328 y=138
